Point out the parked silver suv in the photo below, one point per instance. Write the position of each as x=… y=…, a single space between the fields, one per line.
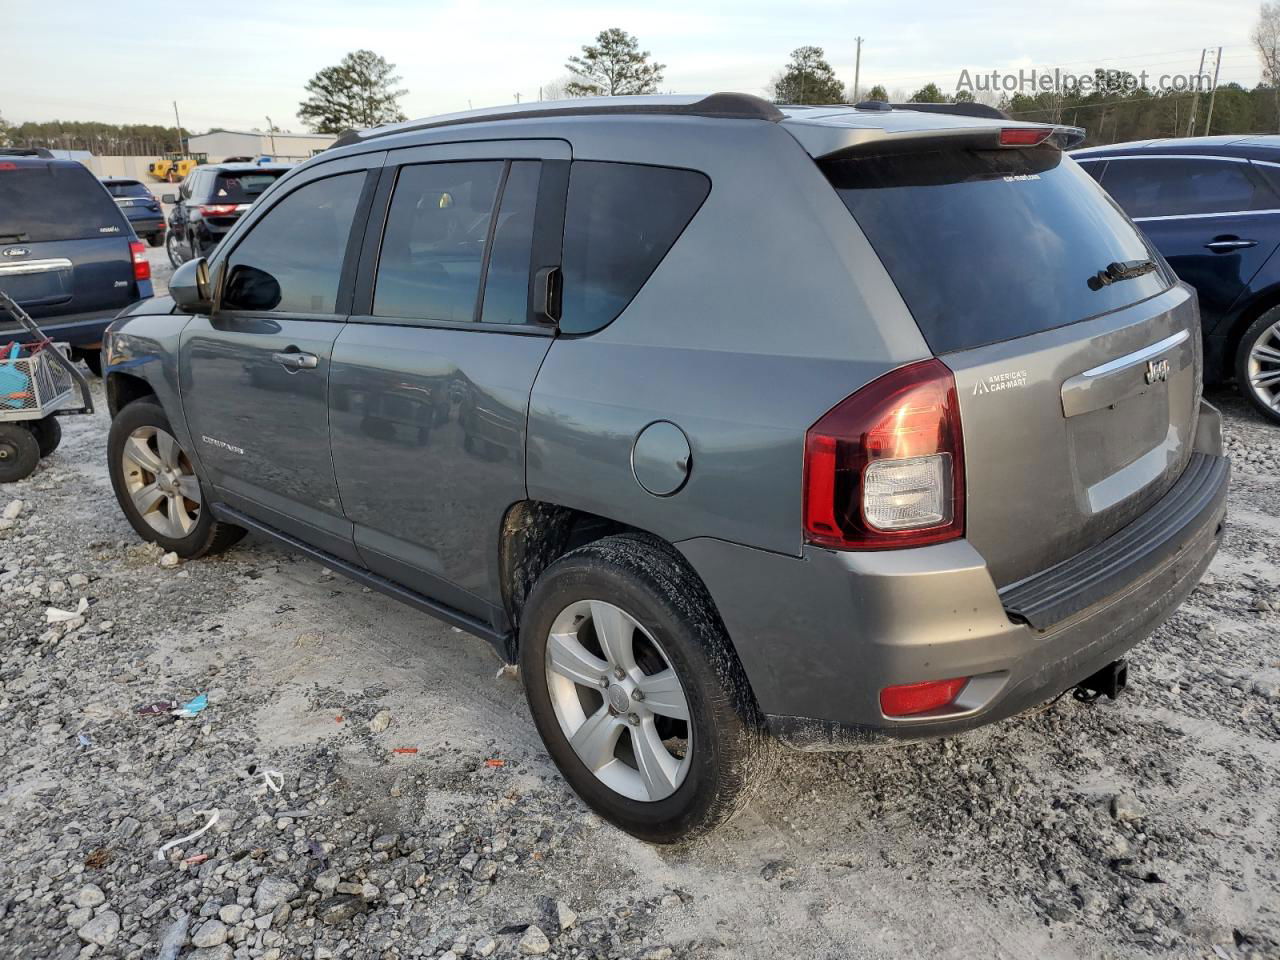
x=837 y=424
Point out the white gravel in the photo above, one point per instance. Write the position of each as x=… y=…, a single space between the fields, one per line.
x=1147 y=827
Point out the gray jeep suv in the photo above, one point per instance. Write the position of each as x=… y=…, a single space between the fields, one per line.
x=728 y=423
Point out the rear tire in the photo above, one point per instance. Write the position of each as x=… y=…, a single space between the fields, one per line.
x=19 y=452
x=48 y=434
x=1258 y=364
x=639 y=589
x=156 y=475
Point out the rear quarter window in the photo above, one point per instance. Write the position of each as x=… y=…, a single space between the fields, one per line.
x=47 y=202
x=990 y=245
x=620 y=221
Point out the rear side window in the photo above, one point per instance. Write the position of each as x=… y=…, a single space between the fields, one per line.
x=506 y=284
x=989 y=245
x=291 y=260
x=434 y=243
x=1173 y=187
x=241 y=187
x=55 y=202
x=127 y=188
x=620 y=221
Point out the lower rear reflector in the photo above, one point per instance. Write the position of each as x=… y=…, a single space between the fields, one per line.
x=909 y=699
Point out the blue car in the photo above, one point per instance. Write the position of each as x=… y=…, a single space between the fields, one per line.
x=140 y=206
x=1211 y=206
x=68 y=255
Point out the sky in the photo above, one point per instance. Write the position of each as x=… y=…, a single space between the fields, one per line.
x=233 y=65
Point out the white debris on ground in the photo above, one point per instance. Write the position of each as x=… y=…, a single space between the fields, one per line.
x=357 y=783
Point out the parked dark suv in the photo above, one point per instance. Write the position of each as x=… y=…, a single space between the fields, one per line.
x=67 y=254
x=140 y=206
x=839 y=424
x=209 y=202
x=1211 y=205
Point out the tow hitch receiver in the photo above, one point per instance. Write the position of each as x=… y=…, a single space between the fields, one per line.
x=1110 y=680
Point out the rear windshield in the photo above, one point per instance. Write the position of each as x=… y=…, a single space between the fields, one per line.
x=127 y=188
x=989 y=245
x=55 y=202
x=242 y=187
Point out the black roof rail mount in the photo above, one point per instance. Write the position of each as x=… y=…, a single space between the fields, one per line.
x=873 y=105
x=725 y=106
x=26 y=152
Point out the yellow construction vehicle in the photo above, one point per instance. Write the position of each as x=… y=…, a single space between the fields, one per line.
x=172 y=168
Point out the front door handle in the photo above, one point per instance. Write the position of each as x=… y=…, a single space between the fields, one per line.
x=1227 y=245
x=294 y=360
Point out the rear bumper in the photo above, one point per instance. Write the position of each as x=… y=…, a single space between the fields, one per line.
x=820 y=636
x=146 y=226
x=77 y=329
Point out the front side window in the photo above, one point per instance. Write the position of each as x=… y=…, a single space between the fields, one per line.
x=1160 y=187
x=433 y=246
x=291 y=260
x=620 y=221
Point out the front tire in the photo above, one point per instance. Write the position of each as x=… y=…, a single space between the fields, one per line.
x=1258 y=364
x=637 y=692
x=157 y=487
x=19 y=452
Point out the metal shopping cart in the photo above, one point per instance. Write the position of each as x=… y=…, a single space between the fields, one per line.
x=38 y=382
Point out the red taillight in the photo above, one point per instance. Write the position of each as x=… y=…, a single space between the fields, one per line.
x=8 y=165
x=909 y=699
x=884 y=468
x=141 y=266
x=218 y=209
x=1024 y=136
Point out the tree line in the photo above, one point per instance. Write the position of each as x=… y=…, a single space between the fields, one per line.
x=363 y=91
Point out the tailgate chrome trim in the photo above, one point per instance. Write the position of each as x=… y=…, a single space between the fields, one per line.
x=35 y=266
x=1109 y=383
x=1138 y=356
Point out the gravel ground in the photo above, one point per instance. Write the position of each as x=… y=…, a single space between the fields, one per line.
x=381 y=793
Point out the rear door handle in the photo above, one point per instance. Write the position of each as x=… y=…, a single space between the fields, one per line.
x=1224 y=246
x=294 y=360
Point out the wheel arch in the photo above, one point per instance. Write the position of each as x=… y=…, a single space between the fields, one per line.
x=537 y=533
x=124 y=388
x=1251 y=309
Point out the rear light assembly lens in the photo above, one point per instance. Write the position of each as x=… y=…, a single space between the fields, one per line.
x=910 y=699
x=141 y=265
x=884 y=468
x=218 y=209
x=1024 y=136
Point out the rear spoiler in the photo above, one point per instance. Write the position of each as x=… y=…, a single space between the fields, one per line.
x=835 y=142
x=956 y=109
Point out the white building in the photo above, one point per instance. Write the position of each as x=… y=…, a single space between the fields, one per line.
x=221 y=144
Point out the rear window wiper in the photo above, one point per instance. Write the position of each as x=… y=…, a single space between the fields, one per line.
x=12 y=237
x=1117 y=270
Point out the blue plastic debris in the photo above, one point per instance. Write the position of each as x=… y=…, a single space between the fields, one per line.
x=192 y=707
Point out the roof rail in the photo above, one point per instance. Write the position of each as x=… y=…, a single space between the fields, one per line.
x=956 y=109
x=26 y=152
x=726 y=106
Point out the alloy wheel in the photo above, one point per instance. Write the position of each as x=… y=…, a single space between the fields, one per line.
x=161 y=482
x=618 y=700
x=1263 y=367
x=171 y=248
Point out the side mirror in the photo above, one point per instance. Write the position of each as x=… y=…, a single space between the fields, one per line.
x=190 y=288
x=169 y=198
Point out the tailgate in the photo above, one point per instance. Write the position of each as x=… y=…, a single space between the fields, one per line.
x=1072 y=433
x=70 y=276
